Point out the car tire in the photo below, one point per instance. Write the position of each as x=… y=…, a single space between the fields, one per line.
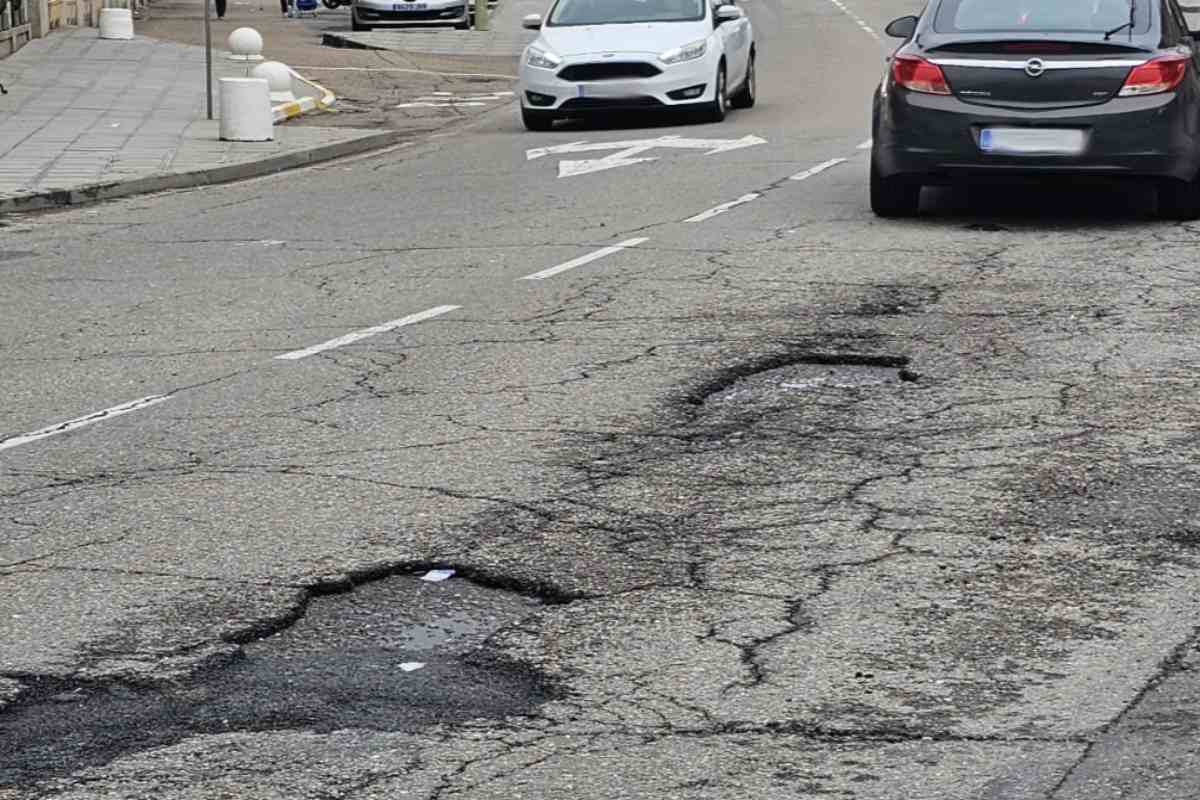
x=744 y=98
x=716 y=110
x=894 y=197
x=537 y=120
x=1179 y=200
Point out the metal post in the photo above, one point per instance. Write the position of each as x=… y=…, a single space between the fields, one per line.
x=482 y=15
x=208 y=57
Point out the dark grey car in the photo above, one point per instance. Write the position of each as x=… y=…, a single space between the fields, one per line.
x=1002 y=90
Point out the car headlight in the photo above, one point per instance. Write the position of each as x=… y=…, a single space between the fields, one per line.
x=689 y=52
x=542 y=58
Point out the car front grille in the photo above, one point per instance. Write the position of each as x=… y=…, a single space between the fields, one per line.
x=597 y=103
x=607 y=71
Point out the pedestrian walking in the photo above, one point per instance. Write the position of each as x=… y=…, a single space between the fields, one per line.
x=221 y=9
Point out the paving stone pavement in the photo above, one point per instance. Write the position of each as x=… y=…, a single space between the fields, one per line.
x=505 y=36
x=84 y=111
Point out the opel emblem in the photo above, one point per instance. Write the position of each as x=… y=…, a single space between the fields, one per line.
x=1034 y=67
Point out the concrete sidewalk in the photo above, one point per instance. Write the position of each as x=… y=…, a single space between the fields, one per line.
x=89 y=119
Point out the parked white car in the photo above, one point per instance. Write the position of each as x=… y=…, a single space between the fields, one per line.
x=605 y=55
x=368 y=14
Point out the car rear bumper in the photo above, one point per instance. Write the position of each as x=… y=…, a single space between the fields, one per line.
x=937 y=138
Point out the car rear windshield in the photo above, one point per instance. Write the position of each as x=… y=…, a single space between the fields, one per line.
x=1040 y=16
x=610 y=12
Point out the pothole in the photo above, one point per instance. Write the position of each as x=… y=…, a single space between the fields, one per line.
x=805 y=372
x=398 y=654
x=806 y=379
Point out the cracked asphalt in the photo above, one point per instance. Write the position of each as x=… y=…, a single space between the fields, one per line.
x=793 y=502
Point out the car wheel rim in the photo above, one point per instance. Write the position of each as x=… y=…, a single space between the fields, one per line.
x=721 y=90
x=750 y=82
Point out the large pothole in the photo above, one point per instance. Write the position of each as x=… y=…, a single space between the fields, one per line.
x=767 y=380
x=395 y=655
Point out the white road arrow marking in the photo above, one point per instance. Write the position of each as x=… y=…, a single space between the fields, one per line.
x=627 y=150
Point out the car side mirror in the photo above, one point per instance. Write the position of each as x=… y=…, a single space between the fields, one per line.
x=728 y=13
x=532 y=21
x=902 y=28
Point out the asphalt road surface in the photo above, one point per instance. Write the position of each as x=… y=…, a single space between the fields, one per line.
x=748 y=493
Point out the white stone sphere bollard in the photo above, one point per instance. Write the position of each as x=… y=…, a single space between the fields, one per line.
x=246 y=110
x=278 y=78
x=116 y=23
x=245 y=44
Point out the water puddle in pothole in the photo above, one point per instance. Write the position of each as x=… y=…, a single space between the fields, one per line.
x=351 y=662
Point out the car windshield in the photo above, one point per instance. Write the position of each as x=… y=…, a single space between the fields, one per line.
x=616 y=12
x=1039 y=16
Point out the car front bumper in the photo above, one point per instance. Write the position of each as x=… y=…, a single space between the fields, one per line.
x=936 y=138
x=421 y=12
x=676 y=86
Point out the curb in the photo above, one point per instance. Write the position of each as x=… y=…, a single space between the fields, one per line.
x=336 y=40
x=93 y=193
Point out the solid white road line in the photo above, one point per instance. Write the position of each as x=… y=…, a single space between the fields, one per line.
x=349 y=338
x=819 y=168
x=589 y=258
x=721 y=209
x=99 y=416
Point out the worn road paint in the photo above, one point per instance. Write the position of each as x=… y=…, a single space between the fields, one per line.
x=350 y=338
x=721 y=209
x=589 y=258
x=857 y=20
x=819 y=168
x=627 y=150
x=70 y=425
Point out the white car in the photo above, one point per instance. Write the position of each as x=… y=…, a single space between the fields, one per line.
x=368 y=14
x=602 y=55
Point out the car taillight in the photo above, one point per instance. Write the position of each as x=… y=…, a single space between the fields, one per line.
x=1156 y=75
x=918 y=75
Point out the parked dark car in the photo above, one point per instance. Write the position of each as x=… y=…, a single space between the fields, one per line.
x=1020 y=90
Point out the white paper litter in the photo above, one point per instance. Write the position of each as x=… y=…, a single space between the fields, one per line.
x=412 y=666
x=437 y=575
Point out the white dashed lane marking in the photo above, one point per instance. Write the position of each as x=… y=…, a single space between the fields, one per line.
x=589 y=258
x=721 y=209
x=90 y=419
x=365 y=333
x=858 y=20
x=818 y=169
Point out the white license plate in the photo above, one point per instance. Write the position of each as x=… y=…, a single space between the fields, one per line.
x=607 y=91
x=410 y=7
x=1031 y=141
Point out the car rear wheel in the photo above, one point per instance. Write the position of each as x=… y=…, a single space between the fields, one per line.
x=744 y=98
x=536 y=120
x=1179 y=199
x=717 y=108
x=894 y=197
